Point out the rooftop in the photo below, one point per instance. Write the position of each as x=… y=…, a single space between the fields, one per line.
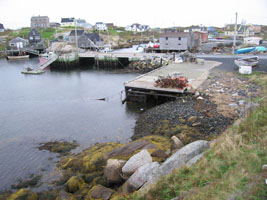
x=64 y=20
x=79 y=32
x=174 y=34
x=93 y=37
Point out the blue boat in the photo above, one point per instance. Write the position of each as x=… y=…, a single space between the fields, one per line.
x=245 y=50
x=261 y=48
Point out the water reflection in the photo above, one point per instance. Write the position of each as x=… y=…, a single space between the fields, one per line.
x=56 y=106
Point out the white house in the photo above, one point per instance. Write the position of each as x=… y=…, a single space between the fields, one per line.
x=68 y=21
x=100 y=26
x=83 y=23
x=18 y=42
x=253 y=40
x=137 y=28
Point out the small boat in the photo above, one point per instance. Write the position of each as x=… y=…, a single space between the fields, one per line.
x=245 y=50
x=248 y=61
x=28 y=70
x=17 y=57
x=140 y=49
x=261 y=48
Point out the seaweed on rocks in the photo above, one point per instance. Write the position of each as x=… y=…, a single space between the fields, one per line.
x=188 y=118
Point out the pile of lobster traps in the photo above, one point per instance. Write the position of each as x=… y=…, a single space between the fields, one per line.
x=172 y=81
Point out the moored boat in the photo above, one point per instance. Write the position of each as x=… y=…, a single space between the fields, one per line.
x=248 y=61
x=245 y=50
x=17 y=57
x=29 y=70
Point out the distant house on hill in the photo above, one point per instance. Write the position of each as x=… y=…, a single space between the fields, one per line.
x=90 y=41
x=100 y=26
x=176 y=41
x=40 y=22
x=54 y=24
x=196 y=29
x=83 y=23
x=67 y=21
x=72 y=36
x=18 y=43
x=2 y=29
x=34 y=36
x=110 y=25
x=137 y=28
x=256 y=28
x=243 y=30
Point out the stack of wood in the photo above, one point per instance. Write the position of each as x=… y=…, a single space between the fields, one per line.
x=172 y=82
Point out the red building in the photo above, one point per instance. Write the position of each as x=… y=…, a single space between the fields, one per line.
x=203 y=36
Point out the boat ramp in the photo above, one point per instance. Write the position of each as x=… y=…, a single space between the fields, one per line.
x=143 y=87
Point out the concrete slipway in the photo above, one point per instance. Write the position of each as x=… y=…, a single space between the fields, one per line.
x=143 y=86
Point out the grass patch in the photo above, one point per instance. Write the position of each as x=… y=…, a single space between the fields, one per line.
x=48 y=33
x=228 y=169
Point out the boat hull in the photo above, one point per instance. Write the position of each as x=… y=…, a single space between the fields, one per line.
x=249 y=61
x=35 y=72
x=17 y=57
x=245 y=50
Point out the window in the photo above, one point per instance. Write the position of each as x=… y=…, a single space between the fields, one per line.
x=166 y=38
x=179 y=38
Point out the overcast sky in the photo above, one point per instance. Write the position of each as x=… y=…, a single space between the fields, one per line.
x=156 y=13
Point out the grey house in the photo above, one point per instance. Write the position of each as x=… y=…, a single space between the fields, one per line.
x=40 y=22
x=72 y=38
x=90 y=41
x=34 y=36
x=18 y=43
x=176 y=41
x=2 y=29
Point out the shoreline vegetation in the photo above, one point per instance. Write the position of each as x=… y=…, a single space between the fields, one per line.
x=230 y=169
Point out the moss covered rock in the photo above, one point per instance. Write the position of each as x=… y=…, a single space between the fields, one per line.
x=23 y=194
x=74 y=184
x=90 y=160
x=151 y=143
x=65 y=196
x=61 y=147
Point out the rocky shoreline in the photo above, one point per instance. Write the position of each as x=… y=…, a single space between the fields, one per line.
x=111 y=170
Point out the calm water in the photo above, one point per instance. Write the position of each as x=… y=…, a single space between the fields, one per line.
x=56 y=106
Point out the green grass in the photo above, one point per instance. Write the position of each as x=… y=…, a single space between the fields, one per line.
x=230 y=168
x=23 y=33
x=48 y=33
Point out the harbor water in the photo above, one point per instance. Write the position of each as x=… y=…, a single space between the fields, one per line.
x=57 y=105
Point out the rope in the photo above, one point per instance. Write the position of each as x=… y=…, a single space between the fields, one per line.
x=108 y=97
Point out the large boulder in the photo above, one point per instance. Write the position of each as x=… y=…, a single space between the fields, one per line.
x=136 y=161
x=142 y=174
x=177 y=144
x=178 y=159
x=101 y=192
x=183 y=155
x=23 y=194
x=74 y=184
x=195 y=159
x=113 y=170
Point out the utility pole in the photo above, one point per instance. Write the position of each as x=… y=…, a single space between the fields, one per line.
x=76 y=38
x=234 y=44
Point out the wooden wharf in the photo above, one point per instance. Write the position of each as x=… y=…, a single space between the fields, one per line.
x=143 y=87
